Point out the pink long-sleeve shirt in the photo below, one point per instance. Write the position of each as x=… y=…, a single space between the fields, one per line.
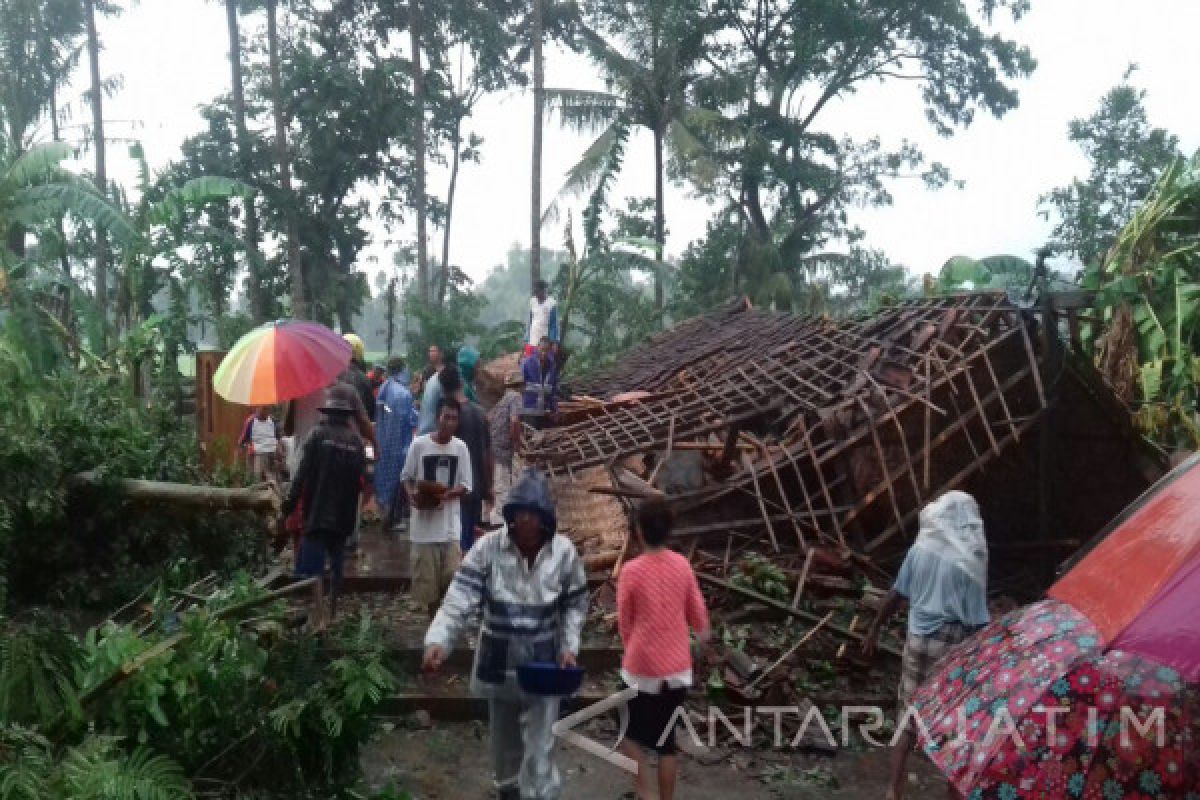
x=658 y=599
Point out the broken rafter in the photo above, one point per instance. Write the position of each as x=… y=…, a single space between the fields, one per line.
x=799 y=613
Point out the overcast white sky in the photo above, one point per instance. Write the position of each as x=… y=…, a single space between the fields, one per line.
x=172 y=55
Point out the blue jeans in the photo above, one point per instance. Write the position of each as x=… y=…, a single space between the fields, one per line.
x=314 y=549
x=470 y=510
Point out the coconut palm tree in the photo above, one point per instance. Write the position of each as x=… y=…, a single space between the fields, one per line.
x=665 y=42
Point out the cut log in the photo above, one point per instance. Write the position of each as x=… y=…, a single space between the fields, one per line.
x=264 y=498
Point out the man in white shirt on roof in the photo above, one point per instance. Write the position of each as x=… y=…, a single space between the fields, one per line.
x=543 y=318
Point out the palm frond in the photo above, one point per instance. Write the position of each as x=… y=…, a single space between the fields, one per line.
x=583 y=110
x=692 y=157
x=593 y=167
x=37 y=663
x=615 y=65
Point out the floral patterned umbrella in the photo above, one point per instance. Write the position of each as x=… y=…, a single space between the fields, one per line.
x=1093 y=693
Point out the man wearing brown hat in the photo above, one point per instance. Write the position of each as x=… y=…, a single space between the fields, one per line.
x=327 y=485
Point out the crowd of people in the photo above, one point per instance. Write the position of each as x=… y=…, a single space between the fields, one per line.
x=484 y=544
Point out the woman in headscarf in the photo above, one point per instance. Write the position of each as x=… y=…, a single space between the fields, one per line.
x=468 y=359
x=944 y=580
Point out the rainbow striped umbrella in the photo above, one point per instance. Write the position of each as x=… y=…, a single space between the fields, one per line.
x=279 y=361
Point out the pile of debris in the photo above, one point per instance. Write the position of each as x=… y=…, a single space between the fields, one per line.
x=814 y=444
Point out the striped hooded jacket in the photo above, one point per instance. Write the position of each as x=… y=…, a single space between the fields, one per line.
x=529 y=613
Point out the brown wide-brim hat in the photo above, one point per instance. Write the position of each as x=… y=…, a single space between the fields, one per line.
x=340 y=399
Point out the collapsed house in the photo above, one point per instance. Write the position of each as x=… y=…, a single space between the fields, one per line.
x=816 y=442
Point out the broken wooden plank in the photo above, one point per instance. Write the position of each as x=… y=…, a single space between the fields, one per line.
x=784 y=607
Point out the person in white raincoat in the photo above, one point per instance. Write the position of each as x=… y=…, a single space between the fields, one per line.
x=531 y=586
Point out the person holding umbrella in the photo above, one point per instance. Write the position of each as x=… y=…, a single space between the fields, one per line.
x=330 y=477
x=944 y=580
x=1094 y=690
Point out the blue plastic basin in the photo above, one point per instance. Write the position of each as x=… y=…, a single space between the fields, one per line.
x=549 y=679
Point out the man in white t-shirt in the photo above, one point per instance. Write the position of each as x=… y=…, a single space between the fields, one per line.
x=434 y=528
x=543 y=318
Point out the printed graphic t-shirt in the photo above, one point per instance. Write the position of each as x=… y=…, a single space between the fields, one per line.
x=449 y=465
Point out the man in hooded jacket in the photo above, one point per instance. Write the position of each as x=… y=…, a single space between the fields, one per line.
x=530 y=584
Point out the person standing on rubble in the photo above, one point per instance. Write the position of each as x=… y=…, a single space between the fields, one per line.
x=658 y=600
x=543 y=319
x=529 y=582
x=540 y=374
x=944 y=580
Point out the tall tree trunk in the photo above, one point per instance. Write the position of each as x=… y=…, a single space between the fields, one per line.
x=539 y=107
x=391 y=315
x=257 y=290
x=64 y=259
x=456 y=142
x=660 y=223
x=295 y=268
x=15 y=239
x=93 y=46
x=418 y=88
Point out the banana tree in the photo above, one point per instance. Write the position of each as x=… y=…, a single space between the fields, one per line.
x=36 y=191
x=168 y=251
x=1149 y=298
x=962 y=273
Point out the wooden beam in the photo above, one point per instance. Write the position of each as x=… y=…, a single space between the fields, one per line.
x=770 y=602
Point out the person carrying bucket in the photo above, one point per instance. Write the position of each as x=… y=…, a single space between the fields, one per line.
x=529 y=582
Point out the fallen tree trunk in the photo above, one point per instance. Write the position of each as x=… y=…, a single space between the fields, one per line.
x=263 y=498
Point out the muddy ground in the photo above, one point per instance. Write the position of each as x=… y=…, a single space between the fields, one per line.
x=450 y=761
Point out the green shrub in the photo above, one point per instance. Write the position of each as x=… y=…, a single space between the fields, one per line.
x=90 y=548
x=236 y=704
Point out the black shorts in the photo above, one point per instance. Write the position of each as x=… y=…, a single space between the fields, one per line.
x=649 y=717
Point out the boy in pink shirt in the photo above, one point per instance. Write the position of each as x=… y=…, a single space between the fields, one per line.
x=658 y=600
